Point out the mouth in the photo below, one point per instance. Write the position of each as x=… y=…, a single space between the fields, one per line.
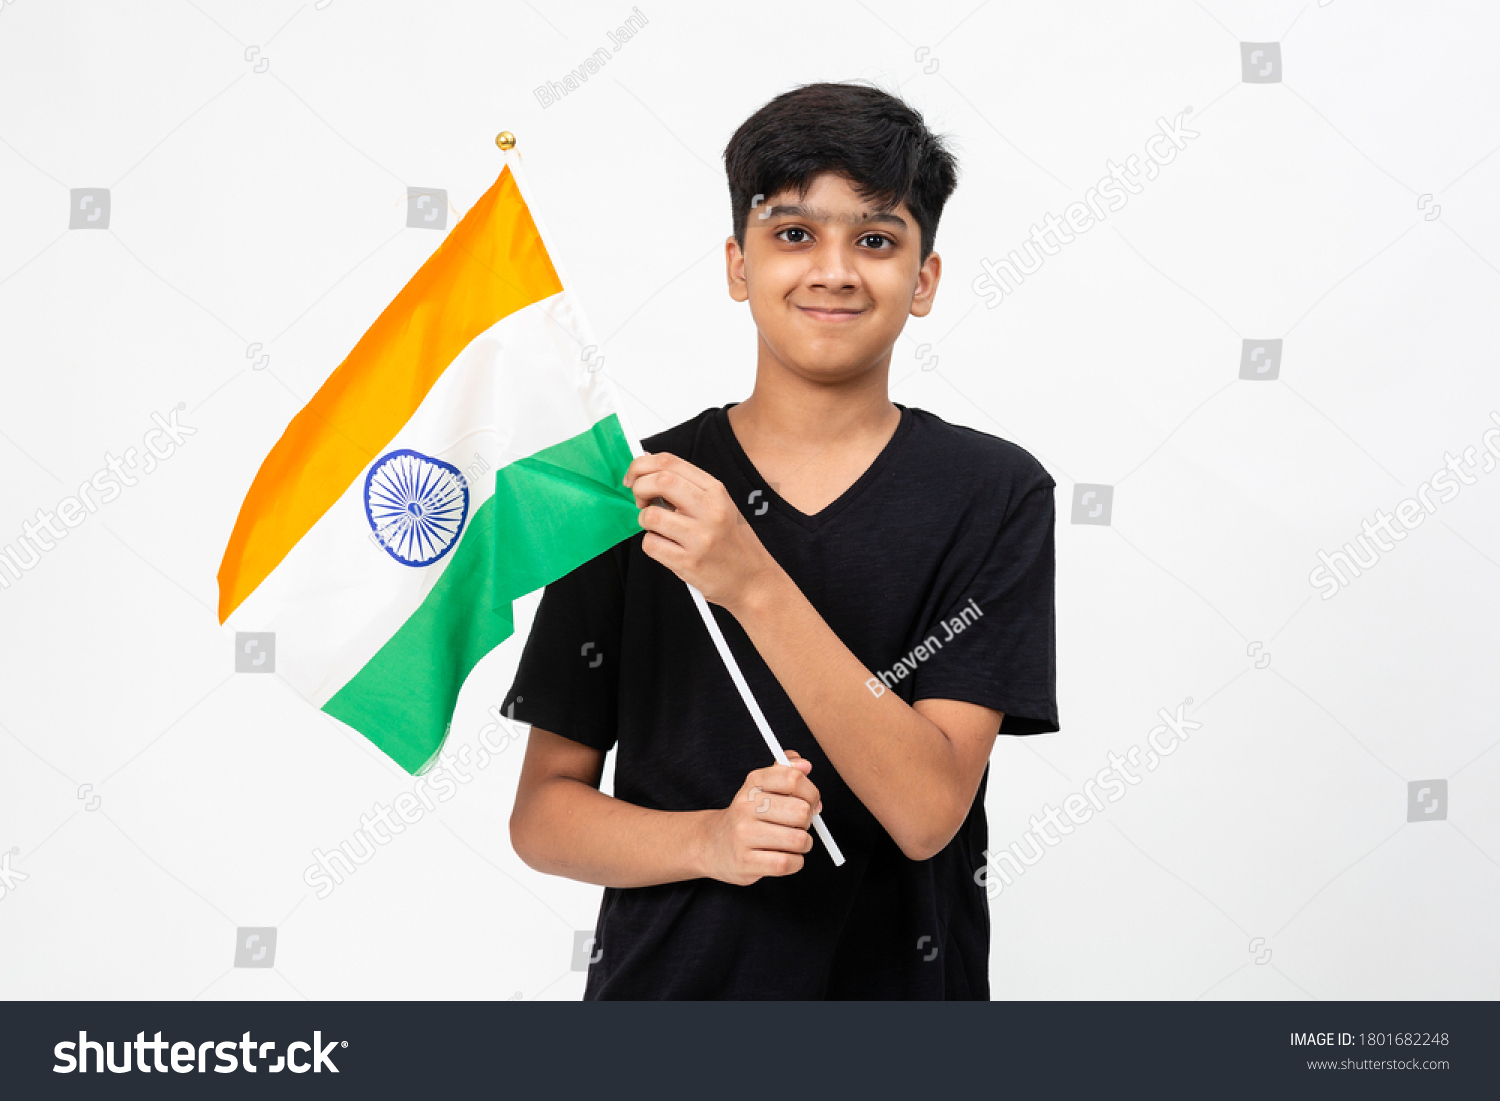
x=835 y=314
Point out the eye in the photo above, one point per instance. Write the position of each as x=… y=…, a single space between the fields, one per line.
x=784 y=234
x=881 y=241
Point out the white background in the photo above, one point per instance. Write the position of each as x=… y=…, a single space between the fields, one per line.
x=1269 y=857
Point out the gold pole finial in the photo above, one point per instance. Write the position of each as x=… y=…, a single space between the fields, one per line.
x=505 y=140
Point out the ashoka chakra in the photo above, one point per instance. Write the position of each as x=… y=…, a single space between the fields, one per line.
x=416 y=506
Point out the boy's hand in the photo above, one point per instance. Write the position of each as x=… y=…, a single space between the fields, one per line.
x=702 y=538
x=764 y=830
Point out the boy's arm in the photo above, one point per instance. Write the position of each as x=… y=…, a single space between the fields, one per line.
x=564 y=825
x=916 y=768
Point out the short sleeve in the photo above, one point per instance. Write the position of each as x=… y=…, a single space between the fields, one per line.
x=568 y=677
x=999 y=637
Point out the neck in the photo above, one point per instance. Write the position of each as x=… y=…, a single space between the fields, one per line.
x=786 y=411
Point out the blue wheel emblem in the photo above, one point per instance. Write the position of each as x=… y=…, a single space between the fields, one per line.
x=416 y=506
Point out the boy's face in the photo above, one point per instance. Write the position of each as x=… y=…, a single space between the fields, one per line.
x=830 y=278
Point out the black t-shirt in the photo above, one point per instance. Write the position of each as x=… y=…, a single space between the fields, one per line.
x=946 y=538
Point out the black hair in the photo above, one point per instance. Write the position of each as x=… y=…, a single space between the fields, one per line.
x=875 y=139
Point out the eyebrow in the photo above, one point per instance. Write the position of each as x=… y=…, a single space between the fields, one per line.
x=797 y=210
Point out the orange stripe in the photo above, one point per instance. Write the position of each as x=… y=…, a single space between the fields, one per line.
x=492 y=264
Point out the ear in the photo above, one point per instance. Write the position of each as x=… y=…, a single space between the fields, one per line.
x=927 y=284
x=734 y=264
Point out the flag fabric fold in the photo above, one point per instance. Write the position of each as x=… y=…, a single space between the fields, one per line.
x=463 y=454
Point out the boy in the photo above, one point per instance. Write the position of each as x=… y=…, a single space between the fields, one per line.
x=885 y=580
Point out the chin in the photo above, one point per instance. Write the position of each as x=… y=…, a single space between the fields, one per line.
x=829 y=370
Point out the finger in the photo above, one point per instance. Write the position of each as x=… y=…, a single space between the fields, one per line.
x=799 y=787
x=665 y=460
x=769 y=837
x=781 y=810
x=781 y=779
x=671 y=524
x=684 y=494
x=808 y=792
x=791 y=780
x=761 y=862
x=674 y=556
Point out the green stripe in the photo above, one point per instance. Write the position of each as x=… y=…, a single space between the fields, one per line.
x=551 y=512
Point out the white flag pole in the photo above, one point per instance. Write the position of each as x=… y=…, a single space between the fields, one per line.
x=722 y=645
x=507 y=143
x=755 y=711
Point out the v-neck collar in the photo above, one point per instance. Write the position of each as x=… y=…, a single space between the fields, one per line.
x=816 y=520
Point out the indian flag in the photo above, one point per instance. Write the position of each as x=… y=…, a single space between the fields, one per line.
x=463 y=455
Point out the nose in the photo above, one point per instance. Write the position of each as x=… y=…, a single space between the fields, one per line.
x=831 y=266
